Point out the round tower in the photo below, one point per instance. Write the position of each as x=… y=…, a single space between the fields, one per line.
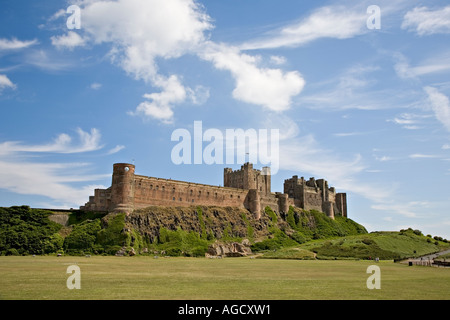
x=122 y=188
x=254 y=203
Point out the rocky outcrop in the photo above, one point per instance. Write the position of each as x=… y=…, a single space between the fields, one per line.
x=214 y=221
x=233 y=249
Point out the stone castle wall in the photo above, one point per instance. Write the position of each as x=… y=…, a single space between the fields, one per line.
x=245 y=188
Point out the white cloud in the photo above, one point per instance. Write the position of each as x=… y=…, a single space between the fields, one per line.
x=41 y=59
x=199 y=95
x=425 y=21
x=423 y=156
x=134 y=28
x=137 y=44
x=20 y=174
x=435 y=64
x=160 y=104
x=60 y=13
x=116 y=149
x=6 y=83
x=440 y=105
x=383 y=158
x=410 y=121
x=278 y=60
x=95 y=86
x=61 y=144
x=70 y=41
x=48 y=180
x=270 y=88
x=339 y=22
x=15 y=44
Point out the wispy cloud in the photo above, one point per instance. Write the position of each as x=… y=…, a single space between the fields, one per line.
x=438 y=63
x=339 y=22
x=22 y=174
x=95 y=86
x=15 y=44
x=51 y=180
x=5 y=83
x=46 y=61
x=423 y=156
x=353 y=88
x=425 y=21
x=411 y=209
x=410 y=121
x=116 y=149
x=61 y=144
x=440 y=105
x=69 y=41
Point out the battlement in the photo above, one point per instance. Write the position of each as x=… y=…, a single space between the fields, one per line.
x=246 y=188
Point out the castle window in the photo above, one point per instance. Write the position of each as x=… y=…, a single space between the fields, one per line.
x=151 y=187
x=173 y=190
x=216 y=194
x=231 y=196
x=157 y=187
x=239 y=197
x=207 y=194
x=173 y=198
x=163 y=188
x=192 y=200
x=181 y=199
x=199 y=193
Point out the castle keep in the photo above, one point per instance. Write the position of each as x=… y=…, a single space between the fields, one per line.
x=245 y=188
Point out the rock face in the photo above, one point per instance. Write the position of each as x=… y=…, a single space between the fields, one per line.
x=216 y=220
x=233 y=249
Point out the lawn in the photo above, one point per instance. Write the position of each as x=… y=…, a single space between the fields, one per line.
x=143 y=277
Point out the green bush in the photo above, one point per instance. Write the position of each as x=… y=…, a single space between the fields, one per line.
x=83 y=237
x=112 y=234
x=299 y=237
x=28 y=231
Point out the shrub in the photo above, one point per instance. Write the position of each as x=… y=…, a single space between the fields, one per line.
x=112 y=234
x=83 y=237
x=299 y=237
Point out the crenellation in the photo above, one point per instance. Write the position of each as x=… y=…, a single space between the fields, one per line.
x=245 y=188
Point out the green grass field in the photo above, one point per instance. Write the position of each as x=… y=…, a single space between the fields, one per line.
x=143 y=277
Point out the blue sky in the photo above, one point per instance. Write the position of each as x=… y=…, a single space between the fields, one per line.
x=365 y=108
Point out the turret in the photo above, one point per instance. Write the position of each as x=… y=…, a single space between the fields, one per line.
x=122 y=188
x=254 y=203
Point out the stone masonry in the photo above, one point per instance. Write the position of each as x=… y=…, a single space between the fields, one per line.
x=245 y=188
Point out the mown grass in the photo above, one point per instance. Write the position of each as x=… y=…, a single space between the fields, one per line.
x=140 y=277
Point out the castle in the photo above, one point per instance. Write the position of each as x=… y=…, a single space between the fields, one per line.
x=245 y=188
